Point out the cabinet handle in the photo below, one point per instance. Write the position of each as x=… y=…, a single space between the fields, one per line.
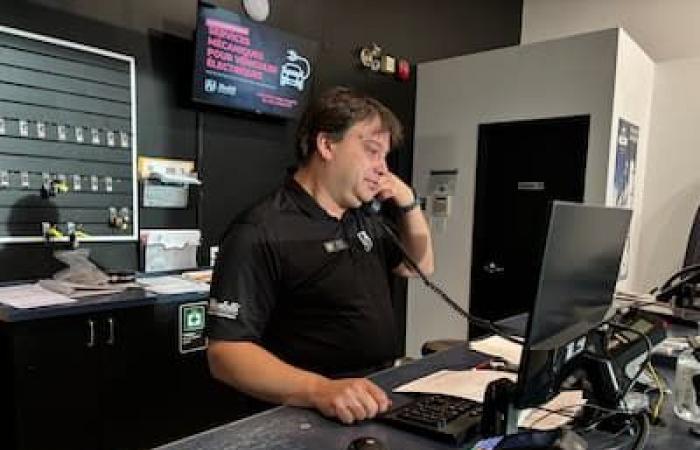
x=110 y=338
x=91 y=338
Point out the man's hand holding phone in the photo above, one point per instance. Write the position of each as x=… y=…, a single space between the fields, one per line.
x=392 y=187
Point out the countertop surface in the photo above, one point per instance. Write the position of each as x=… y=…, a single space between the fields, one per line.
x=304 y=429
x=131 y=297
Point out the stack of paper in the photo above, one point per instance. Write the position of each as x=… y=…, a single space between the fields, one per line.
x=172 y=285
x=469 y=384
x=497 y=346
x=79 y=290
x=26 y=296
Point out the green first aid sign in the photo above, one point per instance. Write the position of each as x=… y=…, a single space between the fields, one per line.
x=192 y=324
x=194 y=318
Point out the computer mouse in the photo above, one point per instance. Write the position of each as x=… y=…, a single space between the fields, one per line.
x=367 y=443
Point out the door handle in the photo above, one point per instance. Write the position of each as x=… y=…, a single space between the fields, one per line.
x=492 y=268
x=110 y=336
x=91 y=335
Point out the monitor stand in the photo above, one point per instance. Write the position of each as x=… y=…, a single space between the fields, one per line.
x=499 y=416
x=594 y=374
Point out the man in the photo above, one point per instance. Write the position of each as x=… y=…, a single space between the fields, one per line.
x=300 y=306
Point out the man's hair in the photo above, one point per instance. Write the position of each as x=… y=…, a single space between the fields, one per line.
x=337 y=110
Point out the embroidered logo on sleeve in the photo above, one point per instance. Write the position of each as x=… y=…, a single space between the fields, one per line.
x=225 y=309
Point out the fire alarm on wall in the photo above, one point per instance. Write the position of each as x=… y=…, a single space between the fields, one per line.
x=403 y=70
x=257 y=9
x=374 y=58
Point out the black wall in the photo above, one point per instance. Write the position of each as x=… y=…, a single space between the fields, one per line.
x=243 y=159
x=240 y=158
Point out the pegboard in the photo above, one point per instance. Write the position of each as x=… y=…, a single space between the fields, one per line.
x=67 y=140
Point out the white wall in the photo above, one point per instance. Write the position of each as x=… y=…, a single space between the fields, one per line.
x=665 y=29
x=672 y=181
x=669 y=33
x=634 y=84
x=558 y=78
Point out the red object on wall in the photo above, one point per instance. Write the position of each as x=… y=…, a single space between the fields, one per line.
x=403 y=70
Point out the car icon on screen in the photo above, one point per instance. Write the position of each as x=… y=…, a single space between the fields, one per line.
x=295 y=71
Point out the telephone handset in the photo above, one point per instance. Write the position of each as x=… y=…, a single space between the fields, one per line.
x=373 y=206
x=682 y=286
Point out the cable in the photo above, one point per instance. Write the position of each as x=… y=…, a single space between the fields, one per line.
x=559 y=412
x=482 y=323
x=603 y=408
x=664 y=288
x=611 y=412
x=641 y=366
x=614 y=437
x=641 y=435
x=660 y=383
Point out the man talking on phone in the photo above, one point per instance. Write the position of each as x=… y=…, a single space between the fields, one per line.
x=300 y=309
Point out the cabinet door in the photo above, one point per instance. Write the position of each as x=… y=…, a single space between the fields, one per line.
x=187 y=398
x=56 y=386
x=129 y=377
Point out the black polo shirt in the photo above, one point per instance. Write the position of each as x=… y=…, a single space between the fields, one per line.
x=310 y=288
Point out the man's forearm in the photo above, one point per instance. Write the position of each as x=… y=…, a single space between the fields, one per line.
x=415 y=237
x=257 y=372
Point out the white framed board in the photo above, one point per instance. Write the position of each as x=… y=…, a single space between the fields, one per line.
x=67 y=140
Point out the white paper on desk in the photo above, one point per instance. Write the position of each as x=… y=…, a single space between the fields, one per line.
x=568 y=403
x=497 y=346
x=470 y=384
x=25 y=296
x=172 y=285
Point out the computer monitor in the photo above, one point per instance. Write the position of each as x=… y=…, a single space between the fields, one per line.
x=580 y=265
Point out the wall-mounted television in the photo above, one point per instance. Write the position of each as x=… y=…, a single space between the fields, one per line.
x=244 y=65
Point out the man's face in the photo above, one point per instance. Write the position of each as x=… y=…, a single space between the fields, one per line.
x=358 y=163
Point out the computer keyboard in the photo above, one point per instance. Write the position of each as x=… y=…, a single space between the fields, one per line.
x=448 y=418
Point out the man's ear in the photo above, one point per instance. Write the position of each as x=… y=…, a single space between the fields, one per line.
x=324 y=146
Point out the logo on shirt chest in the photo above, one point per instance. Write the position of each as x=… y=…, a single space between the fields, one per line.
x=225 y=309
x=338 y=245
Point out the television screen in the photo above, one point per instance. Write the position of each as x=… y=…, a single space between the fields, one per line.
x=247 y=66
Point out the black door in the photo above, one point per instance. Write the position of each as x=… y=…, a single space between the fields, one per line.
x=521 y=167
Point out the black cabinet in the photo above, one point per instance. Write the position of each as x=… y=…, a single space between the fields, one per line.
x=187 y=399
x=79 y=382
x=105 y=381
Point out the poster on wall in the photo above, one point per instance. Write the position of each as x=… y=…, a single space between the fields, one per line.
x=625 y=170
x=625 y=163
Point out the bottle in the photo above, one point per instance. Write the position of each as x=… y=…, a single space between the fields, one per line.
x=686 y=398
